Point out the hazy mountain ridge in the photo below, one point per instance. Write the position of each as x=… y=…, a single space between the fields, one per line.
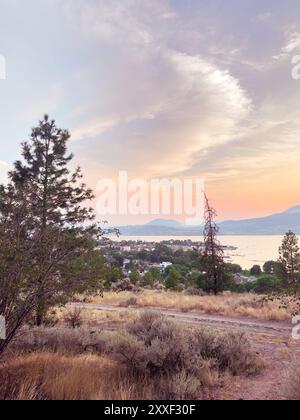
x=276 y=224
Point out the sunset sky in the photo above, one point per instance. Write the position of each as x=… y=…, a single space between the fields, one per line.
x=166 y=88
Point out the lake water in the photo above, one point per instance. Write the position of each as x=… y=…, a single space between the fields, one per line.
x=251 y=250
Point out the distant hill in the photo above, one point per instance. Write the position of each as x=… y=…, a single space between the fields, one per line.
x=276 y=224
x=165 y=223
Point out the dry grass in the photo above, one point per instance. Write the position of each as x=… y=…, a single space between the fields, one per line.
x=48 y=376
x=92 y=318
x=227 y=304
x=154 y=358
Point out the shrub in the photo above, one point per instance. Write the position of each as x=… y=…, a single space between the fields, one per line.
x=158 y=346
x=124 y=285
x=181 y=386
x=192 y=291
x=132 y=301
x=158 y=286
x=74 y=318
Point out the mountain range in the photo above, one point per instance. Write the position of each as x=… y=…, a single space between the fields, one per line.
x=276 y=224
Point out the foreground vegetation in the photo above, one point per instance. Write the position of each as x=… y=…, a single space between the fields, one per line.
x=151 y=358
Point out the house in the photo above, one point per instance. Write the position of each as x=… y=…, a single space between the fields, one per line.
x=165 y=265
x=239 y=279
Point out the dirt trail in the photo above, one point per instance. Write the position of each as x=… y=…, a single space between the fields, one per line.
x=282 y=329
x=273 y=340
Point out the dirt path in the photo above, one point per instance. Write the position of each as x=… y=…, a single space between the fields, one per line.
x=281 y=329
x=273 y=340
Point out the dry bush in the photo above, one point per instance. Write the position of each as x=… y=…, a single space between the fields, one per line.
x=192 y=291
x=158 y=346
x=181 y=386
x=124 y=285
x=159 y=287
x=231 y=352
x=74 y=318
x=292 y=386
x=131 y=301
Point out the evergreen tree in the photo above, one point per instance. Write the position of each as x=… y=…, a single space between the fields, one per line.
x=56 y=194
x=55 y=201
x=289 y=257
x=172 y=280
x=33 y=270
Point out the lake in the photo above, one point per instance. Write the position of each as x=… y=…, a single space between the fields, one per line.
x=251 y=250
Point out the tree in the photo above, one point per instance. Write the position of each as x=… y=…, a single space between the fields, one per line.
x=234 y=268
x=256 y=270
x=147 y=280
x=55 y=195
x=289 y=257
x=135 y=276
x=156 y=274
x=267 y=284
x=172 y=279
x=269 y=267
x=48 y=237
x=213 y=255
x=68 y=263
x=112 y=275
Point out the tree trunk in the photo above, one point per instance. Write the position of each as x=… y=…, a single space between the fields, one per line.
x=40 y=313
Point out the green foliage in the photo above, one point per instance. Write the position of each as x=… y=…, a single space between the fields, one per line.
x=119 y=259
x=234 y=268
x=270 y=267
x=112 y=275
x=289 y=257
x=134 y=276
x=267 y=284
x=202 y=282
x=147 y=280
x=48 y=241
x=256 y=270
x=172 y=279
x=156 y=274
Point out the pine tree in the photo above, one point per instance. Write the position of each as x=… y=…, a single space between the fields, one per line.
x=289 y=257
x=55 y=193
x=55 y=199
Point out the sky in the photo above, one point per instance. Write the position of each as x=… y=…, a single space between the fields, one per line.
x=161 y=88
